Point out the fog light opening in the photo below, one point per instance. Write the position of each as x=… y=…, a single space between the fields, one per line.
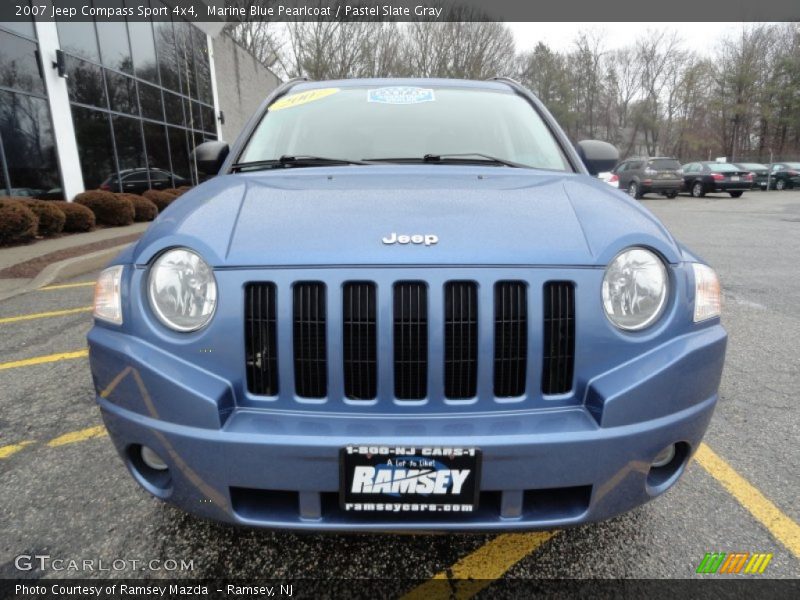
x=667 y=467
x=153 y=460
x=663 y=458
x=150 y=470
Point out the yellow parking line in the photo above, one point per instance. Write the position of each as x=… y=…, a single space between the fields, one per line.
x=78 y=436
x=65 y=286
x=783 y=528
x=6 y=451
x=44 y=315
x=476 y=571
x=39 y=360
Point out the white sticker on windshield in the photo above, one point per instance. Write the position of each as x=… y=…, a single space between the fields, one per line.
x=400 y=95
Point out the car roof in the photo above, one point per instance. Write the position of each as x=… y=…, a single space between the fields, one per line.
x=650 y=158
x=497 y=85
x=139 y=169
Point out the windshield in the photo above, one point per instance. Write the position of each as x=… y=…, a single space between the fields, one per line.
x=405 y=122
x=752 y=166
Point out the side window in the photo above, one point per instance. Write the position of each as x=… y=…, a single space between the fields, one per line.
x=620 y=168
x=637 y=165
x=137 y=177
x=158 y=176
x=777 y=167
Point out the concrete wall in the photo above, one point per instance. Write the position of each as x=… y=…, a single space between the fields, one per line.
x=242 y=84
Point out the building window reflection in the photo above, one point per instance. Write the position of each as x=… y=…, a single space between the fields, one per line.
x=95 y=145
x=141 y=100
x=28 y=160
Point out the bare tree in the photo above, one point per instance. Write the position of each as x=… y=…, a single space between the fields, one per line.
x=259 y=37
x=458 y=49
x=545 y=73
x=650 y=96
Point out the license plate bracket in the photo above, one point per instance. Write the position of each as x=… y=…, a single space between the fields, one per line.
x=397 y=479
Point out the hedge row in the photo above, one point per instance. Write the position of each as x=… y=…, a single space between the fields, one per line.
x=18 y=223
x=162 y=199
x=79 y=218
x=23 y=219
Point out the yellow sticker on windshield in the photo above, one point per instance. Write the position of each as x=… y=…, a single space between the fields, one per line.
x=302 y=98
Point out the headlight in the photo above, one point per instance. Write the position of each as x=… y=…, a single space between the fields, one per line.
x=107 y=296
x=707 y=293
x=182 y=290
x=634 y=289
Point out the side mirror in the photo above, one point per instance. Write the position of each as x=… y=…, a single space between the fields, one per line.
x=209 y=157
x=597 y=156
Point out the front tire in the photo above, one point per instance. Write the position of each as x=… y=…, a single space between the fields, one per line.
x=698 y=191
x=736 y=194
x=633 y=190
x=780 y=185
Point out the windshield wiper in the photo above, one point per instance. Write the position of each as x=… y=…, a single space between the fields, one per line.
x=296 y=161
x=468 y=157
x=465 y=155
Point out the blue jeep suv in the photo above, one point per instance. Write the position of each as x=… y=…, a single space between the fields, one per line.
x=406 y=305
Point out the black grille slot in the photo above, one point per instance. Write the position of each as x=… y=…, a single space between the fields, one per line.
x=559 y=337
x=510 y=338
x=460 y=339
x=310 y=355
x=261 y=356
x=410 y=340
x=360 y=343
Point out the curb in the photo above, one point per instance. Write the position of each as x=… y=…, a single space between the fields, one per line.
x=66 y=269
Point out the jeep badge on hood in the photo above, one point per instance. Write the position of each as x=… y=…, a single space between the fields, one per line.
x=428 y=239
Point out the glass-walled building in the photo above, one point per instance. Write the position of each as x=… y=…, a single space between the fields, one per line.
x=27 y=143
x=132 y=101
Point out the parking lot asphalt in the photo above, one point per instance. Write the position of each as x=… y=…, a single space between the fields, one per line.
x=64 y=492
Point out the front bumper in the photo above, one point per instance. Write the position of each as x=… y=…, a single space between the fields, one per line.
x=541 y=468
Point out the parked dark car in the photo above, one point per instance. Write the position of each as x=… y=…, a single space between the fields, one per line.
x=785 y=176
x=135 y=181
x=701 y=178
x=639 y=176
x=760 y=173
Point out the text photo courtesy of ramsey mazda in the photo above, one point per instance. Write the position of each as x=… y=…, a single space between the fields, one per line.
x=407 y=336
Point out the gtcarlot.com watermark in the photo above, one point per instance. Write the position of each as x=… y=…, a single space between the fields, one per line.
x=45 y=562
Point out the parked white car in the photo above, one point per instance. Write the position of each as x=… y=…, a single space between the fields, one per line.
x=610 y=178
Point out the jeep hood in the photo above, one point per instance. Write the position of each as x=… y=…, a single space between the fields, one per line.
x=339 y=216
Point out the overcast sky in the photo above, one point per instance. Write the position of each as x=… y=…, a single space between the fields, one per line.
x=701 y=37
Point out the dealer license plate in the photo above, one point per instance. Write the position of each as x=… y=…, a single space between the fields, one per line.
x=392 y=479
